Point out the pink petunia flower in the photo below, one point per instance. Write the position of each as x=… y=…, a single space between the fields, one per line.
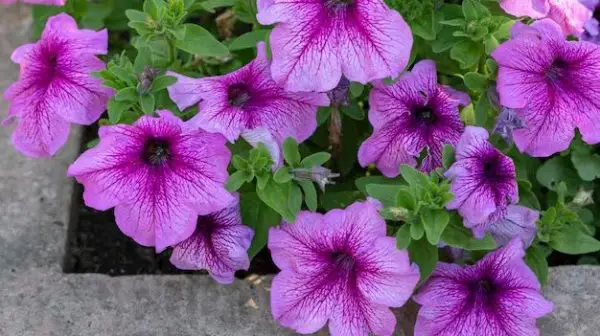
x=36 y=2
x=339 y=267
x=55 y=87
x=413 y=114
x=571 y=15
x=315 y=42
x=219 y=245
x=483 y=180
x=508 y=222
x=553 y=85
x=249 y=103
x=592 y=26
x=159 y=174
x=499 y=295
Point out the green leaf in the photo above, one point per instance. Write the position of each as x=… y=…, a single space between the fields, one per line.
x=116 y=109
x=162 y=82
x=571 y=240
x=262 y=180
x=290 y=152
x=260 y=218
x=425 y=255
x=340 y=199
x=276 y=195
x=310 y=194
x=424 y=26
x=469 y=10
x=353 y=111
x=414 y=177
x=211 y=5
x=315 y=160
x=294 y=201
x=467 y=53
x=249 y=40
x=356 y=89
x=143 y=59
x=587 y=165
x=536 y=260
x=434 y=222
x=527 y=197
x=282 y=175
x=135 y=15
x=403 y=237
x=448 y=155
x=200 y=42
x=386 y=194
x=127 y=94
x=147 y=103
x=457 y=235
x=406 y=199
x=416 y=230
x=476 y=81
x=362 y=182
x=558 y=169
x=236 y=180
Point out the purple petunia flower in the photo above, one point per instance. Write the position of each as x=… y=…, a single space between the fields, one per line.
x=499 y=295
x=339 y=267
x=55 y=87
x=219 y=244
x=592 y=26
x=571 y=15
x=483 y=179
x=314 y=43
x=413 y=114
x=249 y=103
x=36 y=2
x=508 y=222
x=553 y=84
x=159 y=174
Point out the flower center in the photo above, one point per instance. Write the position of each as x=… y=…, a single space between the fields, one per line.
x=338 y=4
x=557 y=70
x=490 y=167
x=425 y=114
x=342 y=260
x=156 y=152
x=238 y=94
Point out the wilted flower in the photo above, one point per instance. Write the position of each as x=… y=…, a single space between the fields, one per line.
x=553 y=85
x=339 y=267
x=55 y=87
x=507 y=223
x=320 y=175
x=159 y=174
x=483 y=180
x=499 y=295
x=507 y=121
x=219 y=245
x=571 y=15
x=249 y=101
x=36 y=2
x=413 y=114
x=339 y=95
x=314 y=43
x=592 y=26
x=145 y=79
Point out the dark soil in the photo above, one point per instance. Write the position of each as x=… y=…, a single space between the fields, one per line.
x=96 y=245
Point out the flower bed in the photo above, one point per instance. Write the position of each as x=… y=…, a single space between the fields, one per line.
x=439 y=150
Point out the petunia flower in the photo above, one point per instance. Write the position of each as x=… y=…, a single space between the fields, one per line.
x=249 y=103
x=499 y=295
x=413 y=114
x=159 y=175
x=507 y=121
x=508 y=222
x=36 y=2
x=553 y=84
x=55 y=87
x=592 y=26
x=571 y=15
x=314 y=43
x=219 y=245
x=339 y=267
x=483 y=180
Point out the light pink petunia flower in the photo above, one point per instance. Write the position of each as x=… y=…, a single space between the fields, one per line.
x=498 y=296
x=553 y=85
x=315 y=42
x=249 y=103
x=413 y=114
x=55 y=87
x=339 y=267
x=219 y=245
x=159 y=174
x=571 y=15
